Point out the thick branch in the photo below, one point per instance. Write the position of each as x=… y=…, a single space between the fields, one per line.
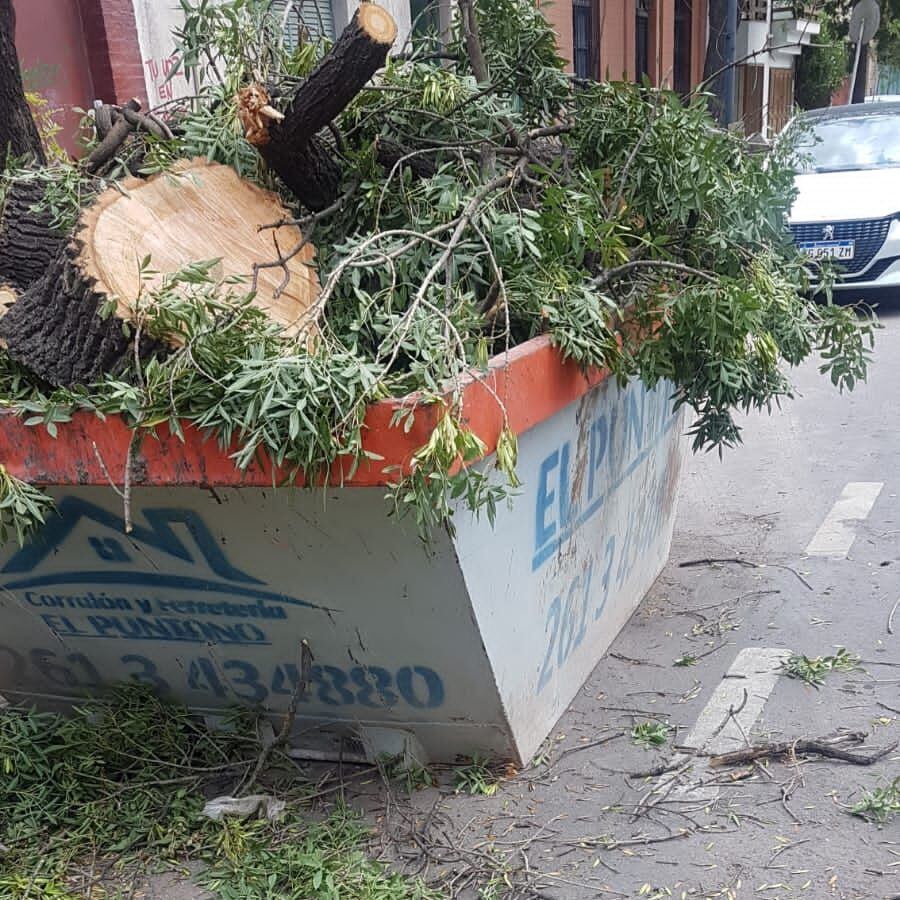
x=822 y=747
x=473 y=42
x=115 y=137
x=389 y=153
x=359 y=52
x=304 y=162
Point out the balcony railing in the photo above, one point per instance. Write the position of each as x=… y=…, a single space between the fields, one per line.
x=756 y=10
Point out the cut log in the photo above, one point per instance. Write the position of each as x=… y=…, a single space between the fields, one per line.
x=7 y=298
x=55 y=328
x=289 y=146
x=28 y=243
x=208 y=212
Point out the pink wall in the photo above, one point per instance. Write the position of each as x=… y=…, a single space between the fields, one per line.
x=559 y=14
x=54 y=60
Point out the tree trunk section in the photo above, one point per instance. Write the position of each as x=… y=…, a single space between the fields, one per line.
x=305 y=163
x=309 y=171
x=18 y=133
x=28 y=243
x=54 y=328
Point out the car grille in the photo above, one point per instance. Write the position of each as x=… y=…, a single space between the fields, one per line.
x=878 y=269
x=869 y=236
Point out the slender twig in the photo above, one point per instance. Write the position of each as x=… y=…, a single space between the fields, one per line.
x=309 y=223
x=619 y=271
x=701 y=87
x=890 y=621
x=105 y=471
x=623 y=175
x=129 y=476
x=300 y=688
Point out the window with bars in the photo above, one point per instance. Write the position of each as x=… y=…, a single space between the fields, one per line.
x=308 y=19
x=583 y=45
x=641 y=39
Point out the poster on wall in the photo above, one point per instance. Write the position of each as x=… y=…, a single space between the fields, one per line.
x=155 y=23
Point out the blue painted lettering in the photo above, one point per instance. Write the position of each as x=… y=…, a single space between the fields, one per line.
x=634 y=417
x=544 y=532
x=369 y=686
x=568 y=506
x=109 y=549
x=620 y=441
x=599 y=441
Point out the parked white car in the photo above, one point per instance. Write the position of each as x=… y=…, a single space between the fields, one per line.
x=848 y=202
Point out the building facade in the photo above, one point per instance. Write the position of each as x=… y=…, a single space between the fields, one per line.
x=661 y=40
x=770 y=38
x=74 y=51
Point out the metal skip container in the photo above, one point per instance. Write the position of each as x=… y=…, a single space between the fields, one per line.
x=473 y=643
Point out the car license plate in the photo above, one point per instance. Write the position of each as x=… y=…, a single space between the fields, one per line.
x=840 y=250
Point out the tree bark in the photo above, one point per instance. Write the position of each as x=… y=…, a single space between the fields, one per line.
x=28 y=243
x=310 y=171
x=389 y=153
x=112 y=139
x=55 y=328
x=18 y=133
x=304 y=162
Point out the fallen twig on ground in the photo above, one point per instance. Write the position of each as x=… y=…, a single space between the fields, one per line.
x=826 y=747
x=300 y=688
x=736 y=560
x=890 y=621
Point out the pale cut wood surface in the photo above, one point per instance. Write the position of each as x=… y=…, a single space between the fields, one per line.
x=200 y=211
x=378 y=23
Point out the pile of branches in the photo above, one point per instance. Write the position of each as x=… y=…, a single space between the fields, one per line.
x=463 y=195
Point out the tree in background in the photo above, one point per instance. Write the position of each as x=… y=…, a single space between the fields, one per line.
x=822 y=67
x=18 y=134
x=887 y=38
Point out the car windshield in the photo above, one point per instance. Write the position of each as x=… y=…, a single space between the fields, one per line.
x=842 y=144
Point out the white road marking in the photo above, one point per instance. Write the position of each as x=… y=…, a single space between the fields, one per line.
x=837 y=533
x=744 y=689
x=723 y=725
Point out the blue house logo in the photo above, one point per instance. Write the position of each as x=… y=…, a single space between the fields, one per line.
x=122 y=588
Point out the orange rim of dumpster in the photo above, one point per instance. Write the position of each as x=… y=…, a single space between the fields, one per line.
x=532 y=381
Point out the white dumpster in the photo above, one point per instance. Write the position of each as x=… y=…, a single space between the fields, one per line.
x=474 y=644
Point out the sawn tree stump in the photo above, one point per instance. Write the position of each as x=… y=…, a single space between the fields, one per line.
x=206 y=212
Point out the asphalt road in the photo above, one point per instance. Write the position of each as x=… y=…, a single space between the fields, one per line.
x=585 y=823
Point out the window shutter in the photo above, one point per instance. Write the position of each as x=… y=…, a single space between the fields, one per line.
x=313 y=16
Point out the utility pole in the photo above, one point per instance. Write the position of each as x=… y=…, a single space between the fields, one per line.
x=864 y=21
x=729 y=53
